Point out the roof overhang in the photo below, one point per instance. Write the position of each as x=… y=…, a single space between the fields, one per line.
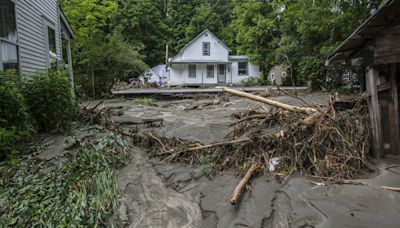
x=66 y=23
x=359 y=39
x=200 y=62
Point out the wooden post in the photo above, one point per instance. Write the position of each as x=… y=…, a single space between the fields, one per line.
x=371 y=79
x=394 y=112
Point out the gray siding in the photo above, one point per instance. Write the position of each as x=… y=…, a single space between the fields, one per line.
x=31 y=18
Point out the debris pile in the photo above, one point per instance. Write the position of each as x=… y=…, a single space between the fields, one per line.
x=331 y=143
x=135 y=84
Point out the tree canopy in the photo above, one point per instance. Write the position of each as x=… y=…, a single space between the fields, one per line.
x=297 y=33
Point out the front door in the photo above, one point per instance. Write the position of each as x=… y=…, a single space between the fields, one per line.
x=221 y=74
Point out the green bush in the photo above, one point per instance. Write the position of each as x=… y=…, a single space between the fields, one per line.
x=50 y=101
x=15 y=123
x=255 y=81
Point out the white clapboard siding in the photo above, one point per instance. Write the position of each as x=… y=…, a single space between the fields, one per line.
x=31 y=17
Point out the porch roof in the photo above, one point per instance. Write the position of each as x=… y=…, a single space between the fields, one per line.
x=197 y=61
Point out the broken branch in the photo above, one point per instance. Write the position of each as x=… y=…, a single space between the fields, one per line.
x=278 y=104
x=253 y=168
x=219 y=144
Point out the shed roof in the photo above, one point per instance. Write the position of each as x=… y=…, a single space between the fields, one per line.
x=381 y=19
x=238 y=58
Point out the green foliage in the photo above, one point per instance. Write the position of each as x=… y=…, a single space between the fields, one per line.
x=111 y=60
x=208 y=167
x=80 y=191
x=101 y=53
x=145 y=101
x=204 y=18
x=255 y=81
x=255 y=23
x=142 y=23
x=16 y=127
x=312 y=69
x=50 y=100
x=270 y=32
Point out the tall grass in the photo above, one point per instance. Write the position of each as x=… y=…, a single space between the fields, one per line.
x=79 y=190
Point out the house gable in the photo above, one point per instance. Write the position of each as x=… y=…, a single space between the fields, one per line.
x=194 y=49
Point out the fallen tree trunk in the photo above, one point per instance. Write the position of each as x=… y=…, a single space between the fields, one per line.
x=278 y=104
x=243 y=183
x=397 y=189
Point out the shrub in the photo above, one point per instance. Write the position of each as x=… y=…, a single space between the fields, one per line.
x=145 y=101
x=255 y=81
x=50 y=101
x=15 y=123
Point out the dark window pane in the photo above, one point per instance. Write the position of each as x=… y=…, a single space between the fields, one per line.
x=9 y=56
x=210 y=71
x=192 y=71
x=52 y=39
x=242 y=68
x=7 y=21
x=65 y=51
x=206 y=48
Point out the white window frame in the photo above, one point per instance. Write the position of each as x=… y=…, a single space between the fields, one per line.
x=49 y=54
x=284 y=74
x=207 y=51
x=247 y=69
x=189 y=72
x=11 y=42
x=273 y=76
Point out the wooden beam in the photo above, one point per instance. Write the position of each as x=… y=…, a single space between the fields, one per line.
x=394 y=112
x=371 y=79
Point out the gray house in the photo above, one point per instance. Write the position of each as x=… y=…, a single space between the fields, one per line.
x=34 y=34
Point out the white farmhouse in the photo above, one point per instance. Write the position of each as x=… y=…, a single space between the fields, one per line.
x=206 y=60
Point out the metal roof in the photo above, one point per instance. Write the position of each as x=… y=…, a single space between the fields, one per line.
x=381 y=19
x=238 y=57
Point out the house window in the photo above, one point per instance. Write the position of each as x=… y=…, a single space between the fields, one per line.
x=8 y=28
x=9 y=56
x=65 y=49
x=8 y=36
x=210 y=71
x=206 y=48
x=192 y=71
x=243 y=68
x=272 y=76
x=284 y=74
x=51 y=35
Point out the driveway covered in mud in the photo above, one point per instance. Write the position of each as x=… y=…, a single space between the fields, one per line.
x=156 y=193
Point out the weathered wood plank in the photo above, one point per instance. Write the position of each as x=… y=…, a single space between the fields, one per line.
x=394 y=112
x=371 y=79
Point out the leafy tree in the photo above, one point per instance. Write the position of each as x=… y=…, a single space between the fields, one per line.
x=179 y=15
x=142 y=23
x=205 y=18
x=112 y=59
x=255 y=26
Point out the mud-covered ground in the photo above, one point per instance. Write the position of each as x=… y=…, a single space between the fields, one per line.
x=159 y=194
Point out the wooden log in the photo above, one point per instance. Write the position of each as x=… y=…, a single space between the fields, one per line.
x=397 y=189
x=278 y=104
x=371 y=79
x=236 y=193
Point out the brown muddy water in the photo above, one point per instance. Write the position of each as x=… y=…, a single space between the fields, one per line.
x=160 y=194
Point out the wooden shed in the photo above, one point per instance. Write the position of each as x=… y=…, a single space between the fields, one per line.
x=374 y=48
